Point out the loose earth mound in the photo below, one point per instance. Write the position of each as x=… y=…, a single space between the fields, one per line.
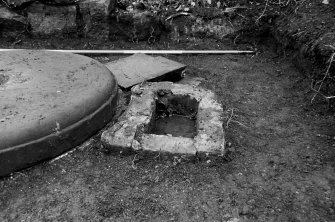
x=50 y=102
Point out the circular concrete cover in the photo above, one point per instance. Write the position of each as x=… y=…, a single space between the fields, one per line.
x=49 y=103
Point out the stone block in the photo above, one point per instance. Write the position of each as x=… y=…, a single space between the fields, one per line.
x=51 y=20
x=133 y=131
x=135 y=26
x=94 y=16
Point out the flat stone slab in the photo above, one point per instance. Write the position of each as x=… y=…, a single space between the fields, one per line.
x=50 y=102
x=140 y=67
x=131 y=131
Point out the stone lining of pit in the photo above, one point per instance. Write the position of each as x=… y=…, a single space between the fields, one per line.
x=130 y=132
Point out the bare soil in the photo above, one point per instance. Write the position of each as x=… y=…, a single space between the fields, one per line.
x=280 y=161
x=279 y=165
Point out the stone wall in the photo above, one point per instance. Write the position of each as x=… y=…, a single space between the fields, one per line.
x=56 y=17
x=107 y=19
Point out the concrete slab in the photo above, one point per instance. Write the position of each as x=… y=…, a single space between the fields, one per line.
x=50 y=102
x=133 y=131
x=140 y=67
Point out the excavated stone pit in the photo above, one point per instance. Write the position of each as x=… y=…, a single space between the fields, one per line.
x=149 y=122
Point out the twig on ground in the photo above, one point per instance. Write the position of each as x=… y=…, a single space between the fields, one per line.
x=151 y=39
x=133 y=164
x=289 y=1
x=231 y=23
x=235 y=121
x=176 y=160
x=296 y=9
x=330 y=97
x=331 y=46
x=327 y=98
x=61 y=156
x=240 y=15
x=159 y=154
x=298 y=33
x=317 y=92
x=263 y=12
x=321 y=94
x=236 y=39
x=232 y=9
x=176 y=15
x=231 y=116
x=22 y=174
x=230 y=119
x=282 y=3
x=5 y=3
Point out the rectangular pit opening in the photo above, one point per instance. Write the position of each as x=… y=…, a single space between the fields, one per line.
x=174 y=115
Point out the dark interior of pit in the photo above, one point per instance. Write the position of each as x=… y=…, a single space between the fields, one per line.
x=175 y=115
